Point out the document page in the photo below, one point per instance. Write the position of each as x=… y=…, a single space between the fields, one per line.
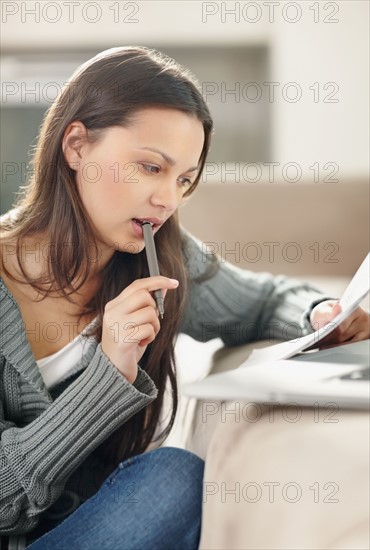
x=355 y=292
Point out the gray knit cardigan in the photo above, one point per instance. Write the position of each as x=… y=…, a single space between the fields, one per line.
x=48 y=436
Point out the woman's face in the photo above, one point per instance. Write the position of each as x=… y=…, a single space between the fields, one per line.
x=136 y=173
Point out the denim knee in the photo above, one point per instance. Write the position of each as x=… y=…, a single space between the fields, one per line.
x=151 y=501
x=182 y=490
x=172 y=471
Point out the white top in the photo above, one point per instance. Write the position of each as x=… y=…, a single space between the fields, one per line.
x=55 y=367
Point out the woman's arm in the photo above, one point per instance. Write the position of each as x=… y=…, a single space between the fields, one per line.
x=36 y=460
x=241 y=306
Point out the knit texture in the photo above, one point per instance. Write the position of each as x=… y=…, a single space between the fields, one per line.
x=48 y=437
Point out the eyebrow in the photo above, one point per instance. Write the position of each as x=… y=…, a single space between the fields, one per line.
x=165 y=157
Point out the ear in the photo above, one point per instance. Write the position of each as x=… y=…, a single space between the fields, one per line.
x=74 y=138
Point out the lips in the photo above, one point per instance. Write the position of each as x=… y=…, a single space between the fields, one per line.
x=137 y=225
x=154 y=222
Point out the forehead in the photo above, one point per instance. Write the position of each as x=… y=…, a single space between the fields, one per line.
x=178 y=133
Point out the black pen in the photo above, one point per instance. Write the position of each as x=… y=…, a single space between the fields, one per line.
x=151 y=257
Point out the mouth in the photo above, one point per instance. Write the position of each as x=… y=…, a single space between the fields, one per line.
x=154 y=222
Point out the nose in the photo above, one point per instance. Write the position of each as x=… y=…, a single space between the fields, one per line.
x=166 y=195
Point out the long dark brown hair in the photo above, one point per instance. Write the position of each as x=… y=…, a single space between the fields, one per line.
x=106 y=91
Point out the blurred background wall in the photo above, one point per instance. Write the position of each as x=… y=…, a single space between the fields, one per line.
x=287 y=84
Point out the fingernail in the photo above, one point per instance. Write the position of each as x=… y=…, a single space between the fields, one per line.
x=174 y=281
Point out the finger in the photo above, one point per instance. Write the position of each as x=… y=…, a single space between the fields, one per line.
x=343 y=339
x=358 y=321
x=328 y=318
x=332 y=312
x=155 y=283
x=150 y=284
x=323 y=314
x=360 y=336
x=346 y=327
x=147 y=335
x=143 y=343
x=345 y=331
x=336 y=337
x=131 y=327
x=337 y=308
x=134 y=302
x=360 y=325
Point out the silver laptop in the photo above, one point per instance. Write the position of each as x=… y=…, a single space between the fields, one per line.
x=338 y=376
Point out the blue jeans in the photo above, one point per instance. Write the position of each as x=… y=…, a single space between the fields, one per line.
x=151 y=501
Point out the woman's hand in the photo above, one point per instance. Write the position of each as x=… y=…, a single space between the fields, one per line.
x=356 y=327
x=130 y=323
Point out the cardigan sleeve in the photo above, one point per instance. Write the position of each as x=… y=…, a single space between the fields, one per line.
x=36 y=460
x=241 y=306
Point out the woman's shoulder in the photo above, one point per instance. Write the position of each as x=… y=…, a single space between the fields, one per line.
x=12 y=279
x=7 y=248
x=29 y=250
x=8 y=242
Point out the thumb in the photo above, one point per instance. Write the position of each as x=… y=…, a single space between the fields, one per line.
x=324 y=312
x=336 y=309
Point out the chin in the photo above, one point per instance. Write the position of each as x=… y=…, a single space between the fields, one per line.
x=129 y=247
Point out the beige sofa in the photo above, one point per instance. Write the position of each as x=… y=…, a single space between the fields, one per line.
x=302 y=229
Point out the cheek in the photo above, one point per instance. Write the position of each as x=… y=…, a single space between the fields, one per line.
x=110 y=191
x=99 y=182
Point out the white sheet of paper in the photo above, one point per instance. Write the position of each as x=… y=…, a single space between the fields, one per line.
x=359 y=285
x=355 y=292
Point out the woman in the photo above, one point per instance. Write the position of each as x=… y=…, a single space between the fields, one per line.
x=85 y=359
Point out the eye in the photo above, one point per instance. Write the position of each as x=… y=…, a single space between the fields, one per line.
x=185 y=182
x=151 y=168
